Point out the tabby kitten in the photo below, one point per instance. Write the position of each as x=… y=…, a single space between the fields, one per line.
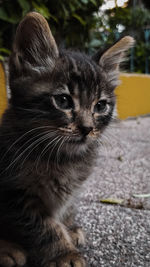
x=61 y=101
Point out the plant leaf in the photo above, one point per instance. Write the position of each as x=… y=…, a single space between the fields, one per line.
x=4 y=16
x=112 y=201
x=95 y=43
x=54 y=18
x=42 y=9
x=24 y=5
x=5 y=50
x=1 y=58
x=84 y=1
x=93 y=2
x=79 y=19
x=141 y=195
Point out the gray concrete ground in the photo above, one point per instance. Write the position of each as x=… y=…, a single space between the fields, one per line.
x=119 y=235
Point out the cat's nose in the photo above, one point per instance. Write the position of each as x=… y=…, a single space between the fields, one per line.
x=85 y=130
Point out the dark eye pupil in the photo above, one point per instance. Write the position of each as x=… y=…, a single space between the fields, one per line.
x=64 y=101
x=100 y=106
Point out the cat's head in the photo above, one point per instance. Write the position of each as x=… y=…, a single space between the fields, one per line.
x=69 y=93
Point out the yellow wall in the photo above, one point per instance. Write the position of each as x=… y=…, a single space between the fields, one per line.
x=133 y=95
x=3 y=96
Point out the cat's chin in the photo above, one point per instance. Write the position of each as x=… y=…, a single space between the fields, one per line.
x=78 y=145
x=79 y=140
x=77 y=149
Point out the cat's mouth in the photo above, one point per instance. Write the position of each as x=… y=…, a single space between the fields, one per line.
x=69 y=132
x=77 y=134
x=76 y=137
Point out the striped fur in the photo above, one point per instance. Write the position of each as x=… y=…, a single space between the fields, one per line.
x=61 y=102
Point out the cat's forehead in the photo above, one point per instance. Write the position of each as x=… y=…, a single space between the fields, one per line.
x=80 y=68
x=75 y=74
x=78 y=74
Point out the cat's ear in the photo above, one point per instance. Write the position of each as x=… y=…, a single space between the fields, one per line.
x=110 y=60
x=34 y=46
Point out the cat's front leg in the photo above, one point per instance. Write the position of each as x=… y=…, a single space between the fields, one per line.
x=11 y=255
x=76 y=232
x=77 y=235
x=59 y=250
x=69 y=260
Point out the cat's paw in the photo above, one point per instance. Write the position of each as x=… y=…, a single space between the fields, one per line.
x=69 y=260
x=78 y=236
x=11 y=255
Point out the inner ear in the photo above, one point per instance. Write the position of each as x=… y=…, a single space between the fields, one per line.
x=110 y=60
x=34 y=44
x=112 y=57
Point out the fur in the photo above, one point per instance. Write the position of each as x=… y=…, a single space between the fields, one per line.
x=61 y=102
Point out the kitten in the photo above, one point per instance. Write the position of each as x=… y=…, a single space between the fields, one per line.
x=61 y=102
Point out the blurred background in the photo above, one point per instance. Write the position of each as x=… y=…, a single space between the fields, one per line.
x=85 y=24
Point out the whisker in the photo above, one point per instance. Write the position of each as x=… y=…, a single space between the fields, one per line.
x=36 y=144
x=44 y=151
x=21 y=137
x=27 y=148
x=58 y=139
x=28 y=141
x=33 y=110
x=58 y=150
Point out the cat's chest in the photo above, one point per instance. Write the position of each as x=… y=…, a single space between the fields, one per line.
x=61 y=187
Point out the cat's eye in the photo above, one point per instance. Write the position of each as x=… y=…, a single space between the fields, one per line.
x=101 y=106
x=64 y=101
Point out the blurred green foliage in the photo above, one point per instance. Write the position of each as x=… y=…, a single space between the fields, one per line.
x=135 y=21
x=80 y=24
x=70 y=21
